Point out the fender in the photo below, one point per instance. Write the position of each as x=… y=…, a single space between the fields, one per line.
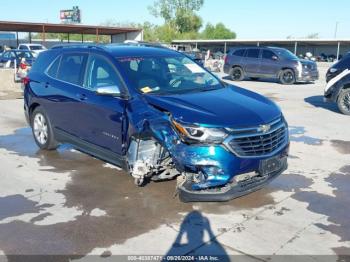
x=333 y=81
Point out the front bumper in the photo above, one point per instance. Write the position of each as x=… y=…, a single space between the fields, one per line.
x=231 y=190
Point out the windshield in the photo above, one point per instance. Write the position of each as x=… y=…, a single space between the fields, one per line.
x=36 y=47
x=24 y=54
x=286 y=54
x=167 y=75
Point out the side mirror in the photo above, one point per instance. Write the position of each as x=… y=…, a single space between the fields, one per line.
x=108 y=91
x=274 y=58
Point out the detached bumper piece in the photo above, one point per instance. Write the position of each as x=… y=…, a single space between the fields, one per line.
x=229 y=191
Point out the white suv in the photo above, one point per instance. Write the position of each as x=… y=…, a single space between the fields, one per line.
x=35 y=48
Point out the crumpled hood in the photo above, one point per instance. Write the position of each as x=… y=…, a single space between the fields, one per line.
x=232 y=107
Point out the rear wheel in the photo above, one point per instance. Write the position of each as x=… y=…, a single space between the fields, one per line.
x=287 y=77
x=344 y=101
x=42 y=130
x=237 y=74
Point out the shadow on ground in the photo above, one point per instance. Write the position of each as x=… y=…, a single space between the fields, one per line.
x=317 y=101
x=130 y=210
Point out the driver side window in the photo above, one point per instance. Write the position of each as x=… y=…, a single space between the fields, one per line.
x=100 y=73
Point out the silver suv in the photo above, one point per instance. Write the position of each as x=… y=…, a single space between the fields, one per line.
x=269 y=62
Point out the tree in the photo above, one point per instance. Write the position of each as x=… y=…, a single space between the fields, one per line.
x=313 y=36
x=179 y=13
x=219 y=31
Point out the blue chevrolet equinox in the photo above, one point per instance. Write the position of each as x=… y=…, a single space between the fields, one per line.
x=158 y=115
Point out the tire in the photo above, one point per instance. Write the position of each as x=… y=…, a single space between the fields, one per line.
x=236 y=74
x=287 y=77
x=343 y=101
x=42 y=130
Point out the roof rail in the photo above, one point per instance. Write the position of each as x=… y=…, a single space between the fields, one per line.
x=77 y=45
x=140 y=43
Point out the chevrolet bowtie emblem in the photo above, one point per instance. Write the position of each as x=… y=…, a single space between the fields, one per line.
x=264 y=128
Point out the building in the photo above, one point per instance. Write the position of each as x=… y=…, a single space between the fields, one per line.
x=334 y=47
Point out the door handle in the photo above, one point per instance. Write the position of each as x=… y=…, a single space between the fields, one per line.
x=47 y=84
x=81 y=97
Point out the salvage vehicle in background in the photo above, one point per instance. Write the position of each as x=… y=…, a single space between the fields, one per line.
x=158 y=115
x=12 y=58
x=269 y=62
x=35 y=48
x=196 y=56
x=338 y=67
x=338 y=84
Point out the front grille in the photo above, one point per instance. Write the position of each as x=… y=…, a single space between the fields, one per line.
x=254 y=142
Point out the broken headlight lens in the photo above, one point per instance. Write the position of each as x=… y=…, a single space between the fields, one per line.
x=200 y=134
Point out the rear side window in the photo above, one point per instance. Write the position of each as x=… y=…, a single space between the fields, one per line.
x=54 y=67
x=267 y=54
x=44 y=60
x=71 y=68
x=239 y=52
x=253 y=53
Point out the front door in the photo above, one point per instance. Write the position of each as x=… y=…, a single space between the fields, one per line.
x=101 y=116
x=270 y=64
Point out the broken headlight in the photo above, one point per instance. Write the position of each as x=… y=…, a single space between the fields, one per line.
x=191 y=133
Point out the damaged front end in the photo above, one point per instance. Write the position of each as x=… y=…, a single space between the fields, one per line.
x=212 y=164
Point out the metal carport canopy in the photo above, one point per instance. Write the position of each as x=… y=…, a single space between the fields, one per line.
x=63 y=28
x=262 y=41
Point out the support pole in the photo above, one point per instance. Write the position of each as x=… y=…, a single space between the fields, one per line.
x=225 y=48
x=30 y=37
x=82 y=38
x=43 y=35
x=97 y=36
x=338 y=51
x=68 y=38
x=258 y=44
x=17 y=40
x=295 y=48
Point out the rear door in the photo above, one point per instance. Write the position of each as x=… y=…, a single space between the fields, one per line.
x=252 y=61
x=270 y=65
x=64 y=96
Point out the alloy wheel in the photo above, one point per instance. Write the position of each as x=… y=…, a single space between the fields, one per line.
x=345 y=102
x=40 y=128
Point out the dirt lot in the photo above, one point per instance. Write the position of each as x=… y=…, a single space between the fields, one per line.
x=67 y=203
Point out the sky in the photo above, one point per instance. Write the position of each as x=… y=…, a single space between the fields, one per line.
x=250 y=19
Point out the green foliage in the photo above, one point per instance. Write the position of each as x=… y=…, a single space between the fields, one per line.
x=169 y=9
x=72 y=37
x=182 y=22
x=180 y=14
x=219 y=31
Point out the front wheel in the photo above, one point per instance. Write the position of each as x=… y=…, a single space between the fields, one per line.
x=287 y=77
x=42 y=130
x=344 y=101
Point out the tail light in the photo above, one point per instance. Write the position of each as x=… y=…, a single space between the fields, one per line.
x=25 y=80
x=226 y=59
x=23 y=66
